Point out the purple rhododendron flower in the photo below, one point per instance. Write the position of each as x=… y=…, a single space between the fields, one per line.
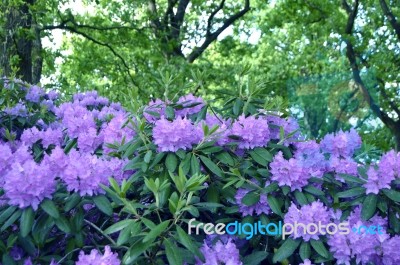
x=28 y=183
x=95 y=258
x=222 y=133
x=18 y=110
x=177 y=134
x=290 y=172
x=341 y=144
x=220 y=253
x=113 y=131
x=313 y=213
x=253 y=132
x=34 y=94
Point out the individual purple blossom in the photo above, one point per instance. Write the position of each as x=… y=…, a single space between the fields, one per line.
x=342 y=143
x=28 y=183
x=18 y=110
x=290 y=172
x=52 y=95
x=344 y=165
x=190 y=105
x=312 y=213
x=96 y=258
x=220 y=253
x=76 y=119
x=154 y=110
x=362 y=247
x=34 y=94
x=252 y=132
x=381 y=175
x=89 y=140
x=177 y=134
x=260 y=207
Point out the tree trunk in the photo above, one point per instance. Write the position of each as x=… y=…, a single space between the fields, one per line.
x=20 y=44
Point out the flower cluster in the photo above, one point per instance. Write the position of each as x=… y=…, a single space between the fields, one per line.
x=381 y=175
x=378 y=248
x=95 y=258
x=220 y=253
x=308 y=214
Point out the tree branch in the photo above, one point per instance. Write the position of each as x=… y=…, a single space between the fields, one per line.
x=209 y=38
x=64 y=26
x=212 y=15
x=390 y=17
x=351 y=56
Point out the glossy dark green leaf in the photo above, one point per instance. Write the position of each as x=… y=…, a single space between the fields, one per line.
x=103 y=204
x=286 y=250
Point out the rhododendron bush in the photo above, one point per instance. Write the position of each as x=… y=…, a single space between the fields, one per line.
x=86 y=182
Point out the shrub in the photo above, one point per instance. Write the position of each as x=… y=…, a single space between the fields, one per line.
x=86 y=182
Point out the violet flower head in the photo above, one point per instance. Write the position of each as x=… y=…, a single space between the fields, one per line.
x=18 y=110
x=341 y=144
x=220 y=253
x=113 y=132
x=177 y=134
x=252 y=132
x=290 y=172
x=190 y=105
x=34 y=94
x=222 y=133
x=307 y=214
x=28 y=183
x=260 y=207
x=96 y=258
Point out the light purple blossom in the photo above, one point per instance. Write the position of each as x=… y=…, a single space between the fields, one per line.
x=252 y=132
x=290 y=172
x=313 y=213
x=220 y=253
x=177 y=134
x=28 y=183
x=96 y=258
x=34 y=94
x=341 y=144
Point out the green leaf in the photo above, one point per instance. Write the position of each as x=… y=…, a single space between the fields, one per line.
x=118 y=226
x=171 y=162
x=170 y=113
x=264 y=153
x=147 y=157
x=72 y=201
x=7 y=213
x=319 y=247
x=211 y=166
x=174 y=257
x=259 y=159
x=392 y=194
x=274 y=205
x=314 y=191
x=63 y=225
x=369 y=206
x=26 y=221
x=300 y=197
x=103 y=204
x=255 y=258
x=225 y=158
x=186 y=241
x=11 y=220
x=305 y=250
x=286 y=250
x=194 y=165
x=50 y=208
x=156 y=231
x=351 y=192
x=350 y=178
x=251 y=198
x=135 y=251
